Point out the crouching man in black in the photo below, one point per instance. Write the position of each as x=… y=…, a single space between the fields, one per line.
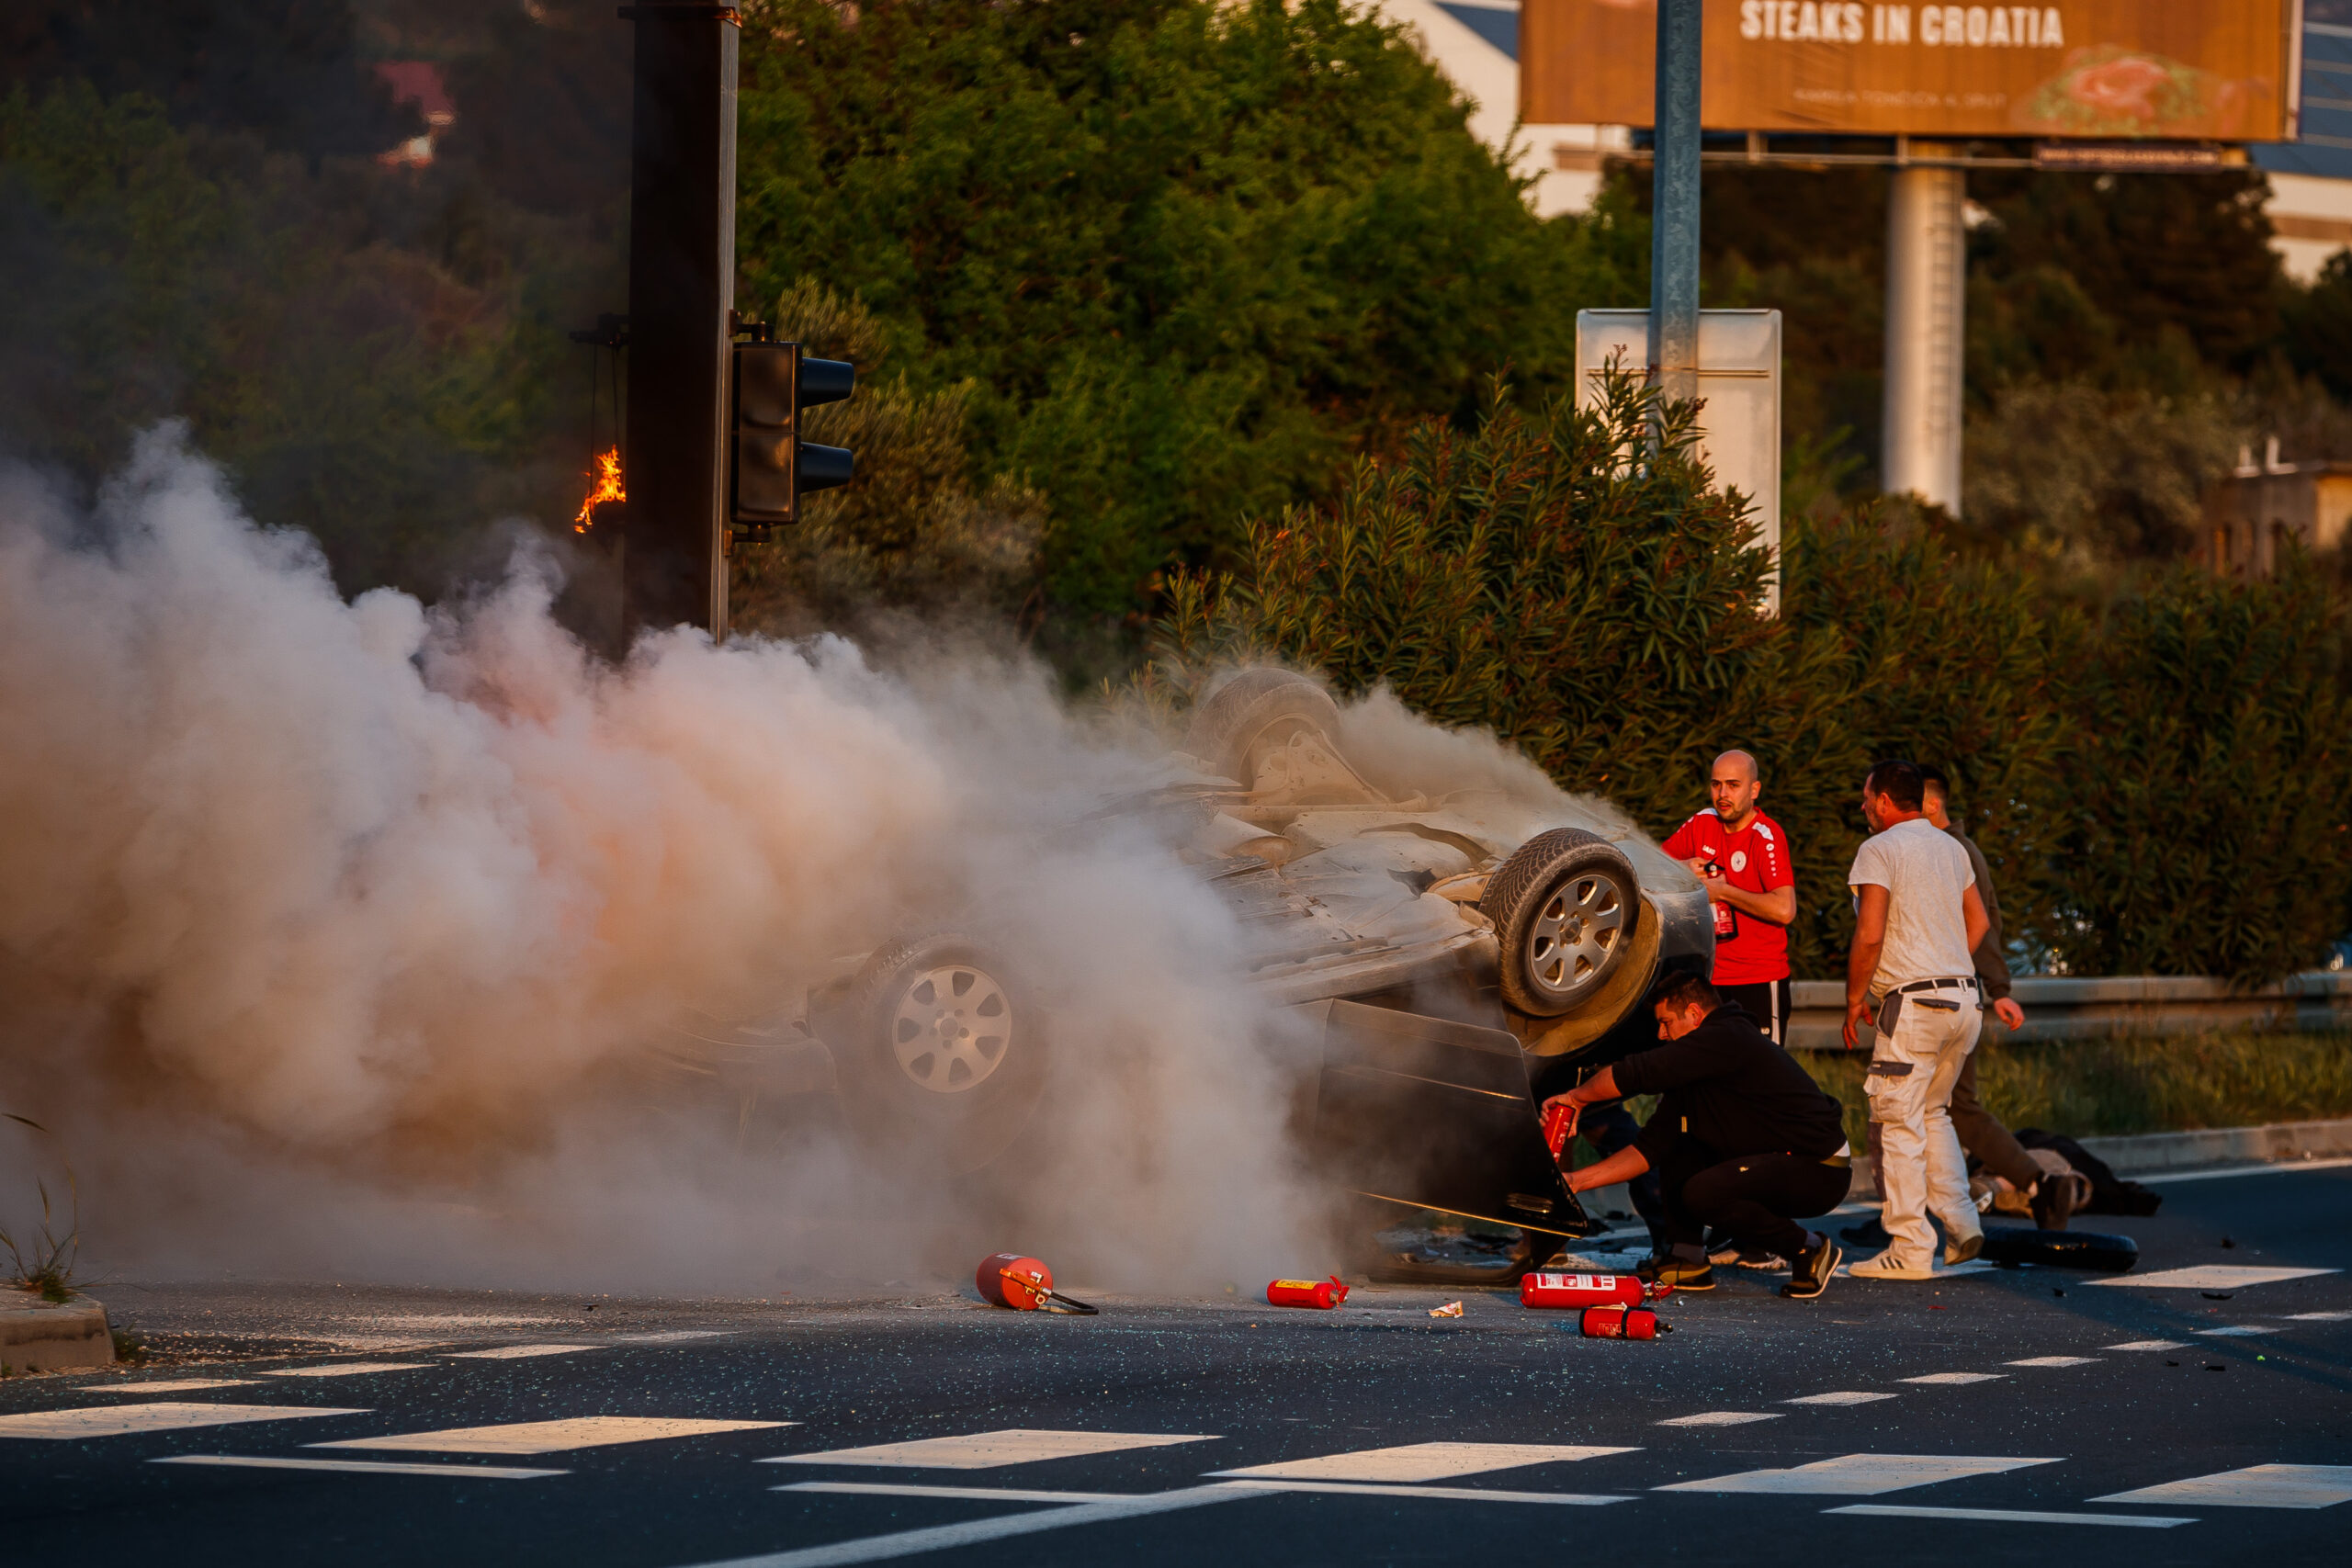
x=1742 y=1139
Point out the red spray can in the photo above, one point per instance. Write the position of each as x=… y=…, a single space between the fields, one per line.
x=1555 y=1126
x=1580 y=1289
x=1622 y=1323
x=1326 y=1294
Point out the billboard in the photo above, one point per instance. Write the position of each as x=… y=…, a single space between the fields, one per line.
x=2193 y=70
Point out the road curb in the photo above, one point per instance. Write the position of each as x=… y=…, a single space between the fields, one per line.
x=2149 y=1153
x=45 y=1336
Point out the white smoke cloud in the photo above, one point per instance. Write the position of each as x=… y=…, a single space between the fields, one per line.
x=329 y=930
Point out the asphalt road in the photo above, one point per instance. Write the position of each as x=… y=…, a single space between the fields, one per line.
x=2003 y=1415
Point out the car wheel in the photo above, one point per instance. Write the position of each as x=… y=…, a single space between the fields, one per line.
x=1565 y=908
x=948 y=1055
x=1249 y=710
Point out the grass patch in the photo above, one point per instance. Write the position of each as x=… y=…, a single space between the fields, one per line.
x=2138 y=1083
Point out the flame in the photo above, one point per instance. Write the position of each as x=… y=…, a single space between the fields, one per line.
x=608 y=487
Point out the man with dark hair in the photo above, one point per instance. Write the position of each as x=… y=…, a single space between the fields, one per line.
x=1742 y=1138
x=1916 y=920
x=1982 y=1136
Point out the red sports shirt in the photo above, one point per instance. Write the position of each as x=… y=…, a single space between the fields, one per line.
x=1746 y=949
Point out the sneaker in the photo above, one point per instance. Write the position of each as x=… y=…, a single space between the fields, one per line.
x=1814 y=1268
x=1722 y=1253
x=1960 y=1251
x=2052 y=1201
x=1885 y=1267
x=1756 y=1258
x=1870 y=1233
x=1680 y=1273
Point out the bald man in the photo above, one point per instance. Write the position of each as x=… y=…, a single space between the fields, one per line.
x=1741 y=857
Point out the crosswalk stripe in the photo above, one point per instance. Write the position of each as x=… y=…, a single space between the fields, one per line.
x=2149 y=1345
x=362 y=1466
x=2010 y=1515
x=974 y=1494
x=987 y=1450
x=1719 y=1418
x=2210 y=1277
x=973 y=1532
x=513 y=1352
x=2318 y=1316
x=1418 y=1461
x=175 y=1386
x=671 y=1337
x=1843 y=1396
x=552 y=1437
x=1955 y=1378
x=344 y=1369
x=1858 y=1475
x=162 y=1416
x=2257 y=1486
x=2235 y=1331
x=1321 y=1488
x=2053 y=1361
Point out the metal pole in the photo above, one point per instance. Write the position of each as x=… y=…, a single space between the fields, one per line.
x=1674 y=203
x=681 y=288
x=1927 y=292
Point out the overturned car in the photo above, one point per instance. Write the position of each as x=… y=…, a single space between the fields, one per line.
x=1458 y=957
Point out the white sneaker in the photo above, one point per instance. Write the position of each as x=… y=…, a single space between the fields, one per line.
x=1885 y=1267
x=1963 y=1250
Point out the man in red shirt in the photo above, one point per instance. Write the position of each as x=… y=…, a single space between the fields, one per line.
x=1741 y=857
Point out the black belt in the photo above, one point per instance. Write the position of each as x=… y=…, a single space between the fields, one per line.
x=1945 y=985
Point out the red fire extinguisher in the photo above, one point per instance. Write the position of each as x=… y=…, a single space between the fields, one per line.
x=1622 y=1323
x=1584 y=1291
x=1326 y=1294
x=1025 y=1284
x=1555 y=1126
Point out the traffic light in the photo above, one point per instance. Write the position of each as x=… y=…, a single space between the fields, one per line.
x=770 y=467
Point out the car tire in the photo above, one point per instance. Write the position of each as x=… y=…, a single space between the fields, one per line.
x=1565 y=908
x=1248 y=709
x=946 y=1051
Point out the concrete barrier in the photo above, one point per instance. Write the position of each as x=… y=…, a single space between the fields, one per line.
x=43 y=1336
x=2062 y=1008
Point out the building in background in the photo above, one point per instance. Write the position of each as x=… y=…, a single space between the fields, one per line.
x=2250 y=516
x=2311 y=178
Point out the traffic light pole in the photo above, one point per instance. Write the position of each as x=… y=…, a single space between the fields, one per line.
x=1674 y=203
x=681 y=292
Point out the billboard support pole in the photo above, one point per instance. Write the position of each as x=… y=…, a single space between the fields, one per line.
x=1927 y=289
x=1674 y=203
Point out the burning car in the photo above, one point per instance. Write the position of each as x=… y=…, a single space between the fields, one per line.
x=1457 y=957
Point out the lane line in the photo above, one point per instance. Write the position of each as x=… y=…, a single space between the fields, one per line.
x=2054 y=1361
x=552 y=1437
x=1449 y=1494
x=1720 y=1418
x=974 y=1532
x=2236 y=1331
x=511 y=1352
x=672 y=1337
x=2257 y=1486
x=2318 y=1316
x=176 y=1385
x=1844 y=1396
x=1953 y=1379
x=976 y=1493
x=362 y=1466
x=163 y=1416
x=987 y=1450
x=1321 y=1488
x=2210 y=1277
x=1858 y=1475
x=344 y=1369
x=2149 y=1345
x=2269 y=1169
x=1419 y=1461
x=2010 y=1515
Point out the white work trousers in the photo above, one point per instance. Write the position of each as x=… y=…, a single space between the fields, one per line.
x=1921 y=1170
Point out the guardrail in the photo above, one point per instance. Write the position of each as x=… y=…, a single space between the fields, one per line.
x=2093 y=1007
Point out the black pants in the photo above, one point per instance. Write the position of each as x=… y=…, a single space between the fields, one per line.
x=1766 y=1002
x=1609 y=1127
x=1758 y=1198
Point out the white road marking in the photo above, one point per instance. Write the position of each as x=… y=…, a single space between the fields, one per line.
x=985 y=1450
x=1720 y=1418
x=1955 y=1378
x=510 y=1352
x=552 y=1437
x=1323 y=1488
x=2318 y=1316
x=177 y=1386
x=972 y=1532
x=1858 y=1475
x=2053 y=1361
x=379 y=1342
x=2257 y=1486
x=2210 y=1277
x=363 y=1467
x=1847 y=1396
x=460 y=1320
x=976 y=1493
x=2269 y=1169
x=344 y=1369
x=163 y=1416
x=2235 y=1331
x=1418 y=1461
x=671 y=1337
x=2149 y=1345
x=2010 y=1515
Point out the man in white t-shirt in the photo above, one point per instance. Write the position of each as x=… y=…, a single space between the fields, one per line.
x=1917 y=916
